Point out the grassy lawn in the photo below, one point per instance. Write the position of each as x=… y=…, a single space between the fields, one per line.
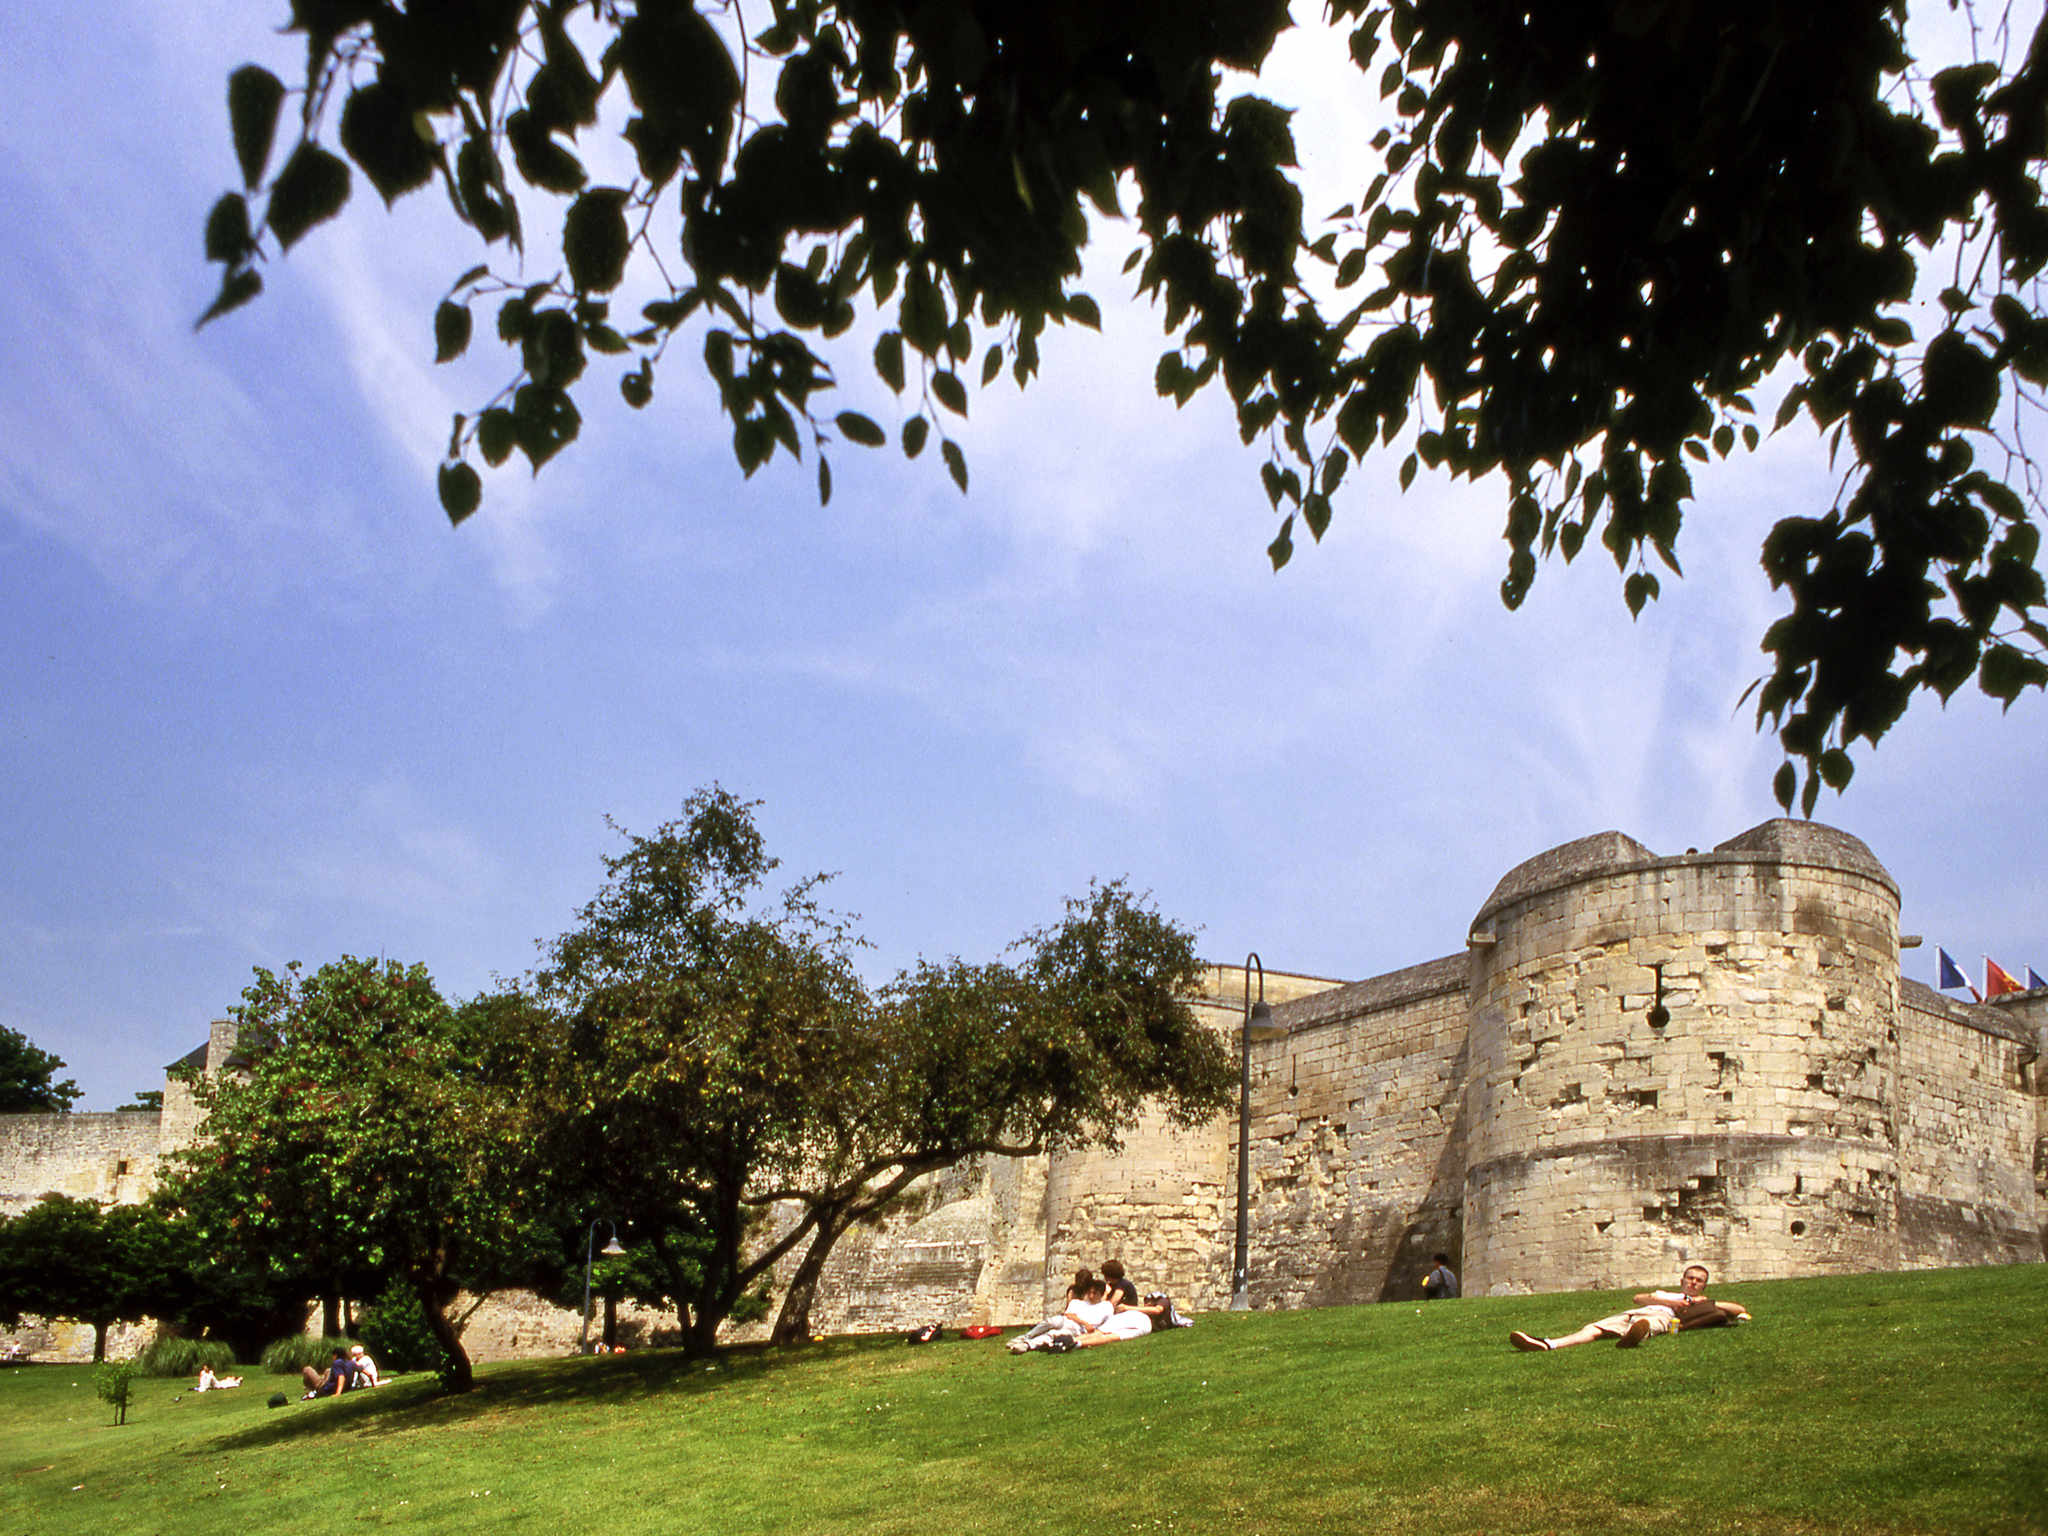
x=1868 y=1403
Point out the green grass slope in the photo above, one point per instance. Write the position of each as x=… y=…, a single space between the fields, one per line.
x=1860 y=1404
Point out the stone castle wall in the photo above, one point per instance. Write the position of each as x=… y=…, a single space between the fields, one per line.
x=1666 y=1051
x=1970 y=1134
x=111 y=1158
x=1358 y=1146
x=1635 y=1063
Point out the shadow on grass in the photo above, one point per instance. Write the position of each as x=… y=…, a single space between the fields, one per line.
x=418 y=1402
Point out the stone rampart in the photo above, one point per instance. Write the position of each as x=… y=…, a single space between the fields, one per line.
x=1665 y=1052
x=1968 y=1133
x=1358 y=1139
x=111 y=1158
x=1636 y=1062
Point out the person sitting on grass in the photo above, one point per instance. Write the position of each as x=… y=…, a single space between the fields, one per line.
x=1654 y=1312
x=339 y=1378
x=367 y=1374
x=1117 y=1285
x=1088 y=1308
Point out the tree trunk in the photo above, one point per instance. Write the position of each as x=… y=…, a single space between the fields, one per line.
x=330 y=1315
x=457 y=1374
x=99 y=1342
x=793 y=1323
x=611 y=1320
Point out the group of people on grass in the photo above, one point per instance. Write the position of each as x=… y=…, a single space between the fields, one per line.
x=351 y=1368
x=1100 y=1309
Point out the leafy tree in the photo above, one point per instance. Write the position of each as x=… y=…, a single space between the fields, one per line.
x=26 y=1078
x=1064 y=1047
x=364 y=1142
x=1550 y=278
x=74 y=1259
x=694 y=1040
x=150 y=1100
x=714 y=1062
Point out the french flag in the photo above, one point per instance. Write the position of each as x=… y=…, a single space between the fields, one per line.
x=1952 y=977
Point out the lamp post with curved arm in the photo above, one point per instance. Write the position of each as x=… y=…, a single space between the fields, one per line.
x=611 y=1250
x=1258 y=1020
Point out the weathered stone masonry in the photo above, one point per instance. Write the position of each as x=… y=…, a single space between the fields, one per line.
x=1635 y=1062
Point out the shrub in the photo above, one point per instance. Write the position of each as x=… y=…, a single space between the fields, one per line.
x=183 y=1357
x=290 y=1355
x=113 y=1381
x=395 y=1332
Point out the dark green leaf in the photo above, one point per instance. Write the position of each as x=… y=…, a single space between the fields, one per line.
x=951 y=392
x=552 y=349
x=254 y=95
x=227 y=230
x=544 y=162
x=889 y=360
x=860 y=429
x=236 y=289
x=378 y=132
x=462 y=491
x=544 y=421
x=1082 y=310
x=638 y=386
x=956 y=462
x=596 y=241
x=496 y=435
x=451 y=331
x=312 y=187
x=915 y=431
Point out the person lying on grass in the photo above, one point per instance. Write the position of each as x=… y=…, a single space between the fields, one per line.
x=1129 y=1322
x=1654 y=1312
x=1088 y=1308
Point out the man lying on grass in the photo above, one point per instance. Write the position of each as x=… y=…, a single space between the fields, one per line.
x=1654 y=1312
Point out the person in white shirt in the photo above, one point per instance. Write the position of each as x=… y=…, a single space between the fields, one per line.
x=1654 y=1312
x=1088 y=1308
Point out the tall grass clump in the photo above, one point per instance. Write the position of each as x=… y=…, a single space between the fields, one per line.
x=292 y=1354
x=183 y=1357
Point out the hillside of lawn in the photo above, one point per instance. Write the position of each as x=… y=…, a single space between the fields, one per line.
x=1912 y=1402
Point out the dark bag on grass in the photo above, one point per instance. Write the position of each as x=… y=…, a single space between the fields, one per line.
x=1702 y=1314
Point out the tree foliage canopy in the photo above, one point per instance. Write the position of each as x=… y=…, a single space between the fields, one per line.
x=28 y=1078
x=1588 y=238
x=70 y=1258
x=366 y=1140
x=705 y=1062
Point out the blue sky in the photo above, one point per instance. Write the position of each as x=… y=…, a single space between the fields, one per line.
x=263 y=704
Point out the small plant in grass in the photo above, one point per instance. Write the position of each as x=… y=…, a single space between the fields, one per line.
x=113 y=1380
x=291 y=1355
x=184 y=1357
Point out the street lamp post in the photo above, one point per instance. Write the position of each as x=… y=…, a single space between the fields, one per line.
x=1257 y=1019
x=611 y=1250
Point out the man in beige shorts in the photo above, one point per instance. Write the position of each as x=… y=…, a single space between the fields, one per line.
x=1654 y=1312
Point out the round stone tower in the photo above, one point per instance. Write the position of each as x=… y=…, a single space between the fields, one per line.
x=1679 y=1060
